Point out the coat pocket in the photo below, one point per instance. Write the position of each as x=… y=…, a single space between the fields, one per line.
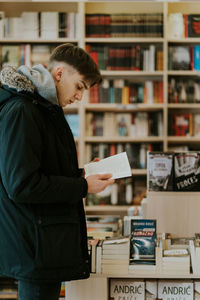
x=57 y=242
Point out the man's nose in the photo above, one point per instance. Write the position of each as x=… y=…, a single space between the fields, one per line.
x=79 y=95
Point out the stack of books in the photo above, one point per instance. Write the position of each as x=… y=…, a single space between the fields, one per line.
x=115 y=256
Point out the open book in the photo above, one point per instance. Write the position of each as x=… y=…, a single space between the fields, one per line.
x=117 y=165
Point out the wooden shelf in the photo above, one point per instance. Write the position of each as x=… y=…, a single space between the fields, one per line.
x=124 y=107
x=103 y=139
x=130 y=73
x=146 y=276
x=124 y=40
x=184 y=139
x=38 y=41
x=183 y=73
x=184 y=105
x=184 y=41
x=108 y=208
x=8 y=296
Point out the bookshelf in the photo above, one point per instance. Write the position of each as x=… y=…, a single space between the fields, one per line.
x=164 y=41
x=97 y=286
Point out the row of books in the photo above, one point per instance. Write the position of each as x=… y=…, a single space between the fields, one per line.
x=177 y=171
x=183 y=90
x=184 y=58
x=122 y=192
x=126 y=92
x=149 y=289
x=184 y=124
x=183 y=25
x=103 y=226
x=143 y=251
x=124 y=25
x=137 y=153
x=34 y=25
x=139 y=124
x=129 y=57
x=25 y=54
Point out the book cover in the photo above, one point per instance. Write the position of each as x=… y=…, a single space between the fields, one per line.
x=194 y=25
x=127 y=289
x=197 y=57
x=187 y=171
x=160 y=171
x=142 y=241
x=175 y=289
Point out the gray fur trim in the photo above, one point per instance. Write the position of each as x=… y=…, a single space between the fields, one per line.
x=10 y=77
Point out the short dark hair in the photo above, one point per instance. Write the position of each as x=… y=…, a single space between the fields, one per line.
x=79 y=59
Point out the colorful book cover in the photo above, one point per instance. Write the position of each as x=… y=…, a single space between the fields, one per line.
x=142 y=241
x=197 y=58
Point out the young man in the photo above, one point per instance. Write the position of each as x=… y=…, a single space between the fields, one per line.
x=43 y=238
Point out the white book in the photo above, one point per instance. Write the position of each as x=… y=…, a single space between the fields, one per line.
x=30 y=25
x=1 y=24
x=151 y=58
x=116 y=251
x=115 y=256
x=49 y=25
x=193 y=256
x=127 y=289
x=99 y=256
x=149 y=88
x=117 y=165
x=113 y=261
x=27 y=55
x=16 y=28
x=175 y=289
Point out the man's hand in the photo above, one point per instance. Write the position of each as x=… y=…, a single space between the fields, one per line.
x=97 y=183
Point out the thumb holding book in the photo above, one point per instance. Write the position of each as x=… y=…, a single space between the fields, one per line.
x=98 y=182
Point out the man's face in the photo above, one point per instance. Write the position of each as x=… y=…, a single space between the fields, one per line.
x=70 y=84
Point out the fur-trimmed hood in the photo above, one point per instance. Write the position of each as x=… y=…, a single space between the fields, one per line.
x=25 y=79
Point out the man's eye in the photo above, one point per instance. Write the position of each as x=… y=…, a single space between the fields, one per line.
x=79 y=88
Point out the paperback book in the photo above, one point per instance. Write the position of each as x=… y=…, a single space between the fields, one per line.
x=127 y=289
x=160 y=171
x=142 y=241
x=187 y=171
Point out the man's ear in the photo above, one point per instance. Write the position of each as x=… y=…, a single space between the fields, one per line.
x=57 y=73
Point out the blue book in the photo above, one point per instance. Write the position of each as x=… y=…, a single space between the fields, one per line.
x=142 y=241
x=73 y=121
x=197 y=58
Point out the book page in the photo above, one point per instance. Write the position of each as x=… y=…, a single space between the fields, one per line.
x=118 y=165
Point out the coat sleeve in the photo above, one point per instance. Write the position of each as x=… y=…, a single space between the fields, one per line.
x=20 y=162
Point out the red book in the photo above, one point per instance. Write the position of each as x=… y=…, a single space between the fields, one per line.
x=186 y=24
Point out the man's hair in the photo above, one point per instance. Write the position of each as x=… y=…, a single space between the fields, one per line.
x=79 y=59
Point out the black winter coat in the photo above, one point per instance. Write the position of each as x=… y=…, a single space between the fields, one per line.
x=42 y=220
